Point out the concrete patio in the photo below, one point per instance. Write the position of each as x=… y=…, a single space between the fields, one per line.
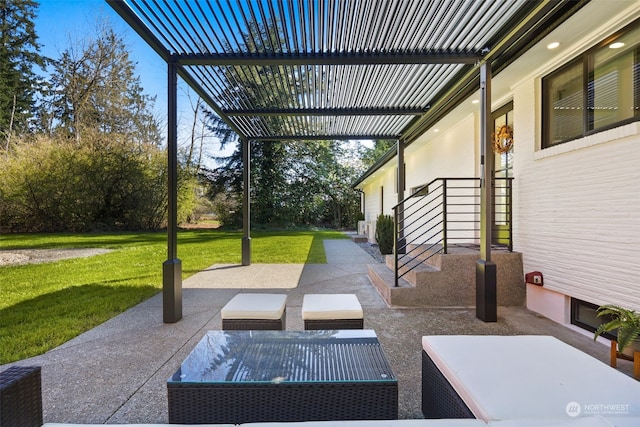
x=117 y=372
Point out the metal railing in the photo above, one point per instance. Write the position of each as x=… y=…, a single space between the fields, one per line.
x=443 y=213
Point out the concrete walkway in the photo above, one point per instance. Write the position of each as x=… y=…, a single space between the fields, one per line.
x=117 y=372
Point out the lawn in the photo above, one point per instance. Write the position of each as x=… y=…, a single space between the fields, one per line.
x=45 y=305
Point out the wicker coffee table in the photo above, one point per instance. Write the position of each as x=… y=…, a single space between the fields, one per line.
x=240 y=377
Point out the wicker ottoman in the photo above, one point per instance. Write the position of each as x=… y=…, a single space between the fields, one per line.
x=255 y=312
x=332 y=311
x=21 y=397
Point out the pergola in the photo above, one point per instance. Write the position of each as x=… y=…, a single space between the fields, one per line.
x=277 y=70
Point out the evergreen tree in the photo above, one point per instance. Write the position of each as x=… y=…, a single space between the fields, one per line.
x=294 y=182
x=18 y=56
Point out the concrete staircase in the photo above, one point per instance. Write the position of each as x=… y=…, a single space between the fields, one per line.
x=440 y=280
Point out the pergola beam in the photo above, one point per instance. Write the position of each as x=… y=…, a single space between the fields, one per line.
x=139 y=27
x=245 y=145
x=172 y=267
x=327 y=137
x=328 y=58
x=270 y=112
x=486 y=269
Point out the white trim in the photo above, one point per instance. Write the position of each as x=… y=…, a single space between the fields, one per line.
x=610 y=135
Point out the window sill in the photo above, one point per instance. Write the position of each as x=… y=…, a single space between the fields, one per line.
x=603 y=137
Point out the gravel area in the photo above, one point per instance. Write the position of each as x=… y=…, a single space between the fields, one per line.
x=33 y=256
x=373 y=250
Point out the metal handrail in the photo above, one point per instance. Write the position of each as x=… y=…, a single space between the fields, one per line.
x=437 y=214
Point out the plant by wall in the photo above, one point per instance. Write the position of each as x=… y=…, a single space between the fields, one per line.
x=625 y=321
x=384 y=233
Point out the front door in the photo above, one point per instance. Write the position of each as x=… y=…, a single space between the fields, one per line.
x=503 y=152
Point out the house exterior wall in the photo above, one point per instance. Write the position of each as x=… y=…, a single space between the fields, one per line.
x=576 y=205
x=381 y=186
x=576 y=209
x=447 y=153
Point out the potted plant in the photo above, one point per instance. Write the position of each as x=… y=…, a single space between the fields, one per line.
x=627 y=322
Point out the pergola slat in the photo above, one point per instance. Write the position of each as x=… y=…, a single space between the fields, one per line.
x=324 y=57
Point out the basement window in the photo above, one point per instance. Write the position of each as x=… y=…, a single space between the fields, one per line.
x=597 y=91
x=584 y=315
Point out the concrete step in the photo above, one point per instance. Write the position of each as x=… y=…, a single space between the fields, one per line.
x=358 y=238
x=383 y=280
x=411 y=269
x=451 y=286
x=426 y=252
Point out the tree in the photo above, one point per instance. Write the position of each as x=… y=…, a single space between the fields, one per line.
x=98 y=162
x=371 y=155
x=18 y=57
x=292 y=183
x=95 y=90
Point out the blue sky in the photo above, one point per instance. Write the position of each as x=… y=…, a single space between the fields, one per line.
x=60 y=23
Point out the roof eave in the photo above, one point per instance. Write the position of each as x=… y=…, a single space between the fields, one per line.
x=386 y=158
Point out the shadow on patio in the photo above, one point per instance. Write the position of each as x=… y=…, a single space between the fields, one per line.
x=117 y=372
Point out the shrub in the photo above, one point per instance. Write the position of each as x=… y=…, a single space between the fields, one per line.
x=384 y=233
x=228 y=210
x=54 y=185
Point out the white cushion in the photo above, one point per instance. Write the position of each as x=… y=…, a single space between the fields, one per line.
x=535 y=377
x=331 y=306
x=255 y=306
x=595 y=421
x=467 y=422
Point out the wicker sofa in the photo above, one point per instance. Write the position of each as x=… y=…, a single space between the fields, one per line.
x=595 y=421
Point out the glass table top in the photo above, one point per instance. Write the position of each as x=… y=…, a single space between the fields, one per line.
x=285 y=357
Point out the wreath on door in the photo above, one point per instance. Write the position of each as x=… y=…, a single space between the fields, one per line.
x=503 y=139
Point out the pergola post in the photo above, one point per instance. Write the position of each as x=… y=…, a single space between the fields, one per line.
x=486 y=274
x=401 y=241
x=172 y=267
x=246 y=202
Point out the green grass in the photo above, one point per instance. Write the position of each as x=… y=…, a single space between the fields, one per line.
x=45 y=305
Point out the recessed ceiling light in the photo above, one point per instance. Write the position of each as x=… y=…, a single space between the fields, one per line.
x=553 y=45
x=436 y=130
x=475 y=101
x=616 y=45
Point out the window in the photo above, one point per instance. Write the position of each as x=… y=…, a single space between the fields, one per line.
x=422 y=190
x=597 y=91
x=584 y=315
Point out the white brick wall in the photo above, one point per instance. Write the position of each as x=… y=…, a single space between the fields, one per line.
x=577 y=209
